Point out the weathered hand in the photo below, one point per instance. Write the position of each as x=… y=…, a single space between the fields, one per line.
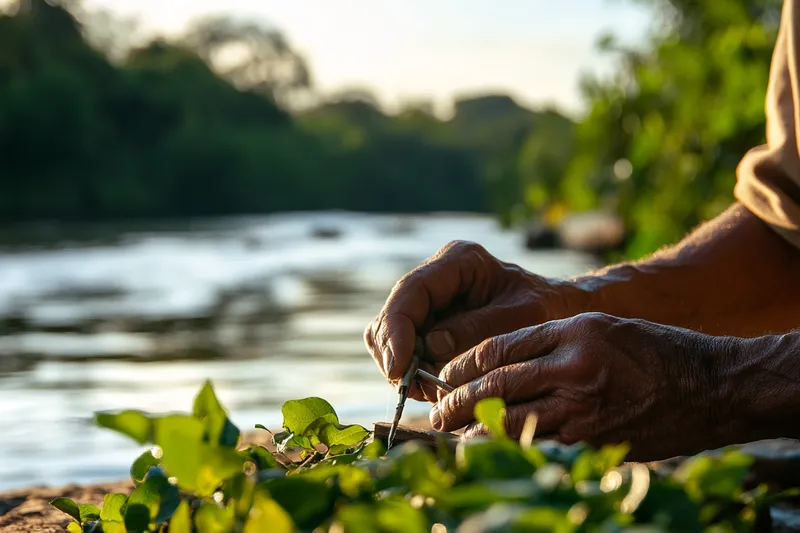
x=456 y=299
x=598 y=379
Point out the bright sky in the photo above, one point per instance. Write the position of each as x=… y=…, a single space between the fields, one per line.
x=409 y=49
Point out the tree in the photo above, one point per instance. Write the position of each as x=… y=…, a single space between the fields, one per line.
x=251 y=55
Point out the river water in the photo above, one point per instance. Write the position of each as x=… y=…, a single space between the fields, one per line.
x=269 y=308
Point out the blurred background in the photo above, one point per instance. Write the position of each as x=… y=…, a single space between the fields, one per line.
x=228 y=190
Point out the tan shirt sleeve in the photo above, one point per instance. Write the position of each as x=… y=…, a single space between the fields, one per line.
x=768 y=177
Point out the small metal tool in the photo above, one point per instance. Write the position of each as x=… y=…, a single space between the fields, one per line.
x=430 y=378
x=413 y=372
x=405 y=387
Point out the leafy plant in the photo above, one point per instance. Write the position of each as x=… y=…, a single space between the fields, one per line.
x=327 y=476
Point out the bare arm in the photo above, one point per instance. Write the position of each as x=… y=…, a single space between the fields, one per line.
x=732 y=276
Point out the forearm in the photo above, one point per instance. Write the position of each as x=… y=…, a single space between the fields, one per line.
x=760 y=389
x=732 y=276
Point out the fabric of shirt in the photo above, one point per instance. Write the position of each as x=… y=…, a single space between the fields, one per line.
x=768 y=177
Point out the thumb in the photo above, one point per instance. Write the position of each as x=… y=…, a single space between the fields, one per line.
x=458 y=333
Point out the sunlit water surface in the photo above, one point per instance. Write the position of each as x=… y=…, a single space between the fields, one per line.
x=269 y=308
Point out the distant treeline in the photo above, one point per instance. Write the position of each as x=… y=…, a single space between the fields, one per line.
x=160 y=133
x=203 y=124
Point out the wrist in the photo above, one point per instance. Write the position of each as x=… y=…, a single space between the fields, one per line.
x=761 y=388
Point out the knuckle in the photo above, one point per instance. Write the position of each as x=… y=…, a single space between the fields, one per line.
x=368 y=339
x=461 y=250
x=484 y=355
x=591 y=324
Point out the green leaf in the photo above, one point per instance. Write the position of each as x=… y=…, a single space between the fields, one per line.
x=382 y=517
x=112 y=507
x=142 y=465
x=89 y=512
x=210 y=518
x=415 y=468
x=199 y=467
x=262 y=426
x=594 y=464
x=182 y=519
x=482 y=458
x=491 y=412
x=267 y=515
x=74 y=527
x=308 y=501
x=261 y=457
x=721 y=477
x=134 y=424
x=66 y=505
x=113 y=527
x=373 y=450
x=333 y=433
x=219 y=429
x=299 y=414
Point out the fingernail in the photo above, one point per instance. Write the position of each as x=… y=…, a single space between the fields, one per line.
x=436 y=418
x=389 y=365
x=440 y=342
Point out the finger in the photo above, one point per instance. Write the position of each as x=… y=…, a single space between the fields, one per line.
x=457 y=334
x=516 y=383
x=457 y=269
x=499 y=351
x=551 y=413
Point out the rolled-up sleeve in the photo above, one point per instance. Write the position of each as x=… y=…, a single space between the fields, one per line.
x=768 y=177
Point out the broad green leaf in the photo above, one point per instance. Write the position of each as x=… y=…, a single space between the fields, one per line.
x=114 y=527
x=334 y=434
x=141 y=465
x=199 y=467
x=210 y=518
x=112 y=507
x=373 y=450
x=89 y=512
x=160 y=496
x=66 y=505
x=74 y=527
x=482 y=458
x=182 y=519
x=491 y=412
x=415 y=468
x=134 y=424
x=219 y=429
x=299 y=414
x=267 y=515
x=308 y=501
x=382 y=517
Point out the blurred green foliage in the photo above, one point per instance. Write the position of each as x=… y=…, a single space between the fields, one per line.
x=665 y=133
x=207 y=124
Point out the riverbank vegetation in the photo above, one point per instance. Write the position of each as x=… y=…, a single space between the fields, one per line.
x=95 y=127
x=195 y=478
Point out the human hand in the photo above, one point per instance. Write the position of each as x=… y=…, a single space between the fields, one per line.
x=598 y=379
x=456 y=299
